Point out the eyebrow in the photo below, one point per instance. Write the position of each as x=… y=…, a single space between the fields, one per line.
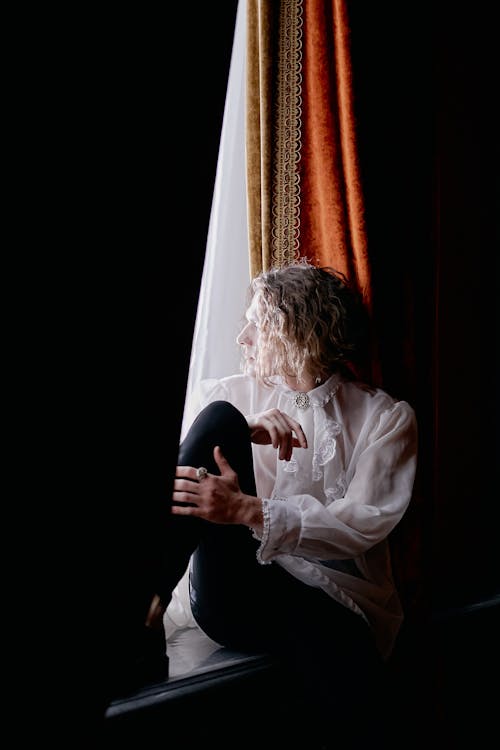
x=251 y=314
x=252 y=317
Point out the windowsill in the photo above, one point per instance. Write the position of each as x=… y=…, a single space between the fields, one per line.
x=196 y=663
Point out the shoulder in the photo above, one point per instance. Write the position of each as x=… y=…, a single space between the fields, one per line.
x=225 y=388
x=376 y=404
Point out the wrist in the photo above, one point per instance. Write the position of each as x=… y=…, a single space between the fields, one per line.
x=251 y=513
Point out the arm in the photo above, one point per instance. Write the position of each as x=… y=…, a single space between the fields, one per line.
x=374 y=501
x=218 y=499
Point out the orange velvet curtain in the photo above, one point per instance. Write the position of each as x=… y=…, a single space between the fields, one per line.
x=305 y=195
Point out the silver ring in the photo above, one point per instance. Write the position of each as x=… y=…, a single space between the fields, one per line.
x=201 y=473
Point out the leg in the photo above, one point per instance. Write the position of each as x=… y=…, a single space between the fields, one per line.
x=227 y=584
x=222 y=424
x=224 y=563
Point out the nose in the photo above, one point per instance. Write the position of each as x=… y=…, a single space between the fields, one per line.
x=245 y=335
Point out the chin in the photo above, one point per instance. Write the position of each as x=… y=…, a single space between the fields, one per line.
x=249 y=368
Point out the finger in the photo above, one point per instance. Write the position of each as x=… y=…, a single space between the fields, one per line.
x=186 y=472
x=185 y=510
x=186 y=495
x=299 y=432
x=279 y=433
x=285 y=452
x=278 y=429
x=186 y=485
x=286 y=438
x=285 y=443
x=221 y=460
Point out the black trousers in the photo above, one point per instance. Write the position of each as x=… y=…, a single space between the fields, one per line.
x=327 y=650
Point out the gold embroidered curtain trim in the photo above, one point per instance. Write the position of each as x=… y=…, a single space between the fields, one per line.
x=305 y=196
x=286 y=155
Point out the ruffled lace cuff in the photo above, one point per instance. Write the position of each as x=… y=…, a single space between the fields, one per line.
x=266 y=512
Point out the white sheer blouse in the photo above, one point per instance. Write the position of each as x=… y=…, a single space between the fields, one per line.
x=328 y=511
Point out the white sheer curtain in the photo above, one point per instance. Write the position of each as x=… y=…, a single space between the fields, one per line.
x=226 y=272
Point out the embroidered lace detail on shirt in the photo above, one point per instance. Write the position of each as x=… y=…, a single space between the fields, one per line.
x=324 y=393
x=326 y=449
x=266 y=512
x=290 y=466
x=338 y=489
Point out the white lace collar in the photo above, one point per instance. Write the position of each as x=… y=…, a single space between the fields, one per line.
x=318 y=396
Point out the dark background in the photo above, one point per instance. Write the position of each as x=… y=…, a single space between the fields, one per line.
x=425 y=75
x=120 y=133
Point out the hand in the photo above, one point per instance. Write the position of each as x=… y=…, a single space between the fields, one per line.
x=218 y=499
x=274 y=427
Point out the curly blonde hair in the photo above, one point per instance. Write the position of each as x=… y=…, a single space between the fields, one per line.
x=311 y=322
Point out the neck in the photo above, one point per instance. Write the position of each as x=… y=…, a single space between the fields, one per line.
x=307 y=383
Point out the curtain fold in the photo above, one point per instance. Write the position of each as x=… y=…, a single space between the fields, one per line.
x=214 y=350
x=260 y=27
x=305 y=195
